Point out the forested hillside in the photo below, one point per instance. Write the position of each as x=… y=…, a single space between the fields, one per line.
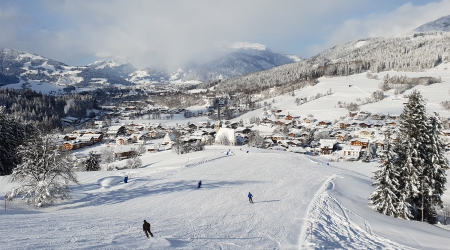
x=414 y=52
x=44 y=111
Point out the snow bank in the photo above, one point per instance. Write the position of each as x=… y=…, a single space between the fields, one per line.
x=110 y=181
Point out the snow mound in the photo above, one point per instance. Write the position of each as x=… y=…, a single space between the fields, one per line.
x=110 y=181
x=158 y=242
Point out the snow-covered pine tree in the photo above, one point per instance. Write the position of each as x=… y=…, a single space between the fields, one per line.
x=44 y=172
x=11 y=135
x=92 y=163
x=384 y=198
x=434 y=176
x=411 y=150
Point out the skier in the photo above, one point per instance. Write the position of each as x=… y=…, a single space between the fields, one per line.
x=146 y=228
x=199 y=184
x=250 y=197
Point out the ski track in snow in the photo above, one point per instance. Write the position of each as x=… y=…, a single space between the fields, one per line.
x=335 y=227
x=291 y=191
x=216 y=216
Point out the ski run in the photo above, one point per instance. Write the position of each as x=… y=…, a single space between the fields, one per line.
x=300 y=202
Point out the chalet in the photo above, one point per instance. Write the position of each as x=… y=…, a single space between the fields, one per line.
x=324 y=123
x=377 y=116
x=392 y=123
x=343 y=125
x=70 y=137
x=294 y=133
x=341 y=137
x=242 y=130
x=308 y=120
x=364 y=143
x=377 y=124
x=72 y=145
x=267 y=121
x=393 y=117
x=366 y=134
x=351 y=151
x=278 y=137
x=168 y=138
x=352 y=113
x=193 y=126
x=289 y=117
x=86 y=139
x=69 y=121
x=327 y=146
x=268 y=142
x=364 y=125
x=280 y=122
x=139 y=136
x=124 y=152
x=234 y=125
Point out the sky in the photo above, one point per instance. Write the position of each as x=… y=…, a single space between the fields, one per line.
x=174 y=32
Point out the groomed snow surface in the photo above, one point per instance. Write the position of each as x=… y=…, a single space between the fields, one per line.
x=294 y=195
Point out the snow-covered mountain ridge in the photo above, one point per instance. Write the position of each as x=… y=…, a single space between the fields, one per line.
x=413 y=52
x=29 y=69
x=441 y=24
x=241 y=58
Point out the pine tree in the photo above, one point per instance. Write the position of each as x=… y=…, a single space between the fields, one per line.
x=434 y=176
x=385 y=197
x=12 y=134
x=411 y=150
x=92 y=163
x=44 y=172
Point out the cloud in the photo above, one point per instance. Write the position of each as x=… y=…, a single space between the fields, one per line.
x=171 y=32
x=166 y=32
x=400 y=21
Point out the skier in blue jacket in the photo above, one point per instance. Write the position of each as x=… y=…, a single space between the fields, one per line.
x=250 y=197
x=199 y=184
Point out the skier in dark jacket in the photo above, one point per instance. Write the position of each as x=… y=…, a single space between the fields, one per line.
x=199 y=184
x=250 y=195
x=146 y=228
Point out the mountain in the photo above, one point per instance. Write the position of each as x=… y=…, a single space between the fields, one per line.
x=243 y=58
x=413 y=52
x=114 y=66
x=441 y=24
x=28 y=69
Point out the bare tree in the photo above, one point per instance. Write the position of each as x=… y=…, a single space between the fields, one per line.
x=107 y=156
x=134 y=161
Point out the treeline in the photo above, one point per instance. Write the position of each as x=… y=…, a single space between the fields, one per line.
x=403 y=83
x=179 y=100
x=12 y=134
x=44 y=111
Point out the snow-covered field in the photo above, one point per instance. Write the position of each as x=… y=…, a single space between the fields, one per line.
x=301 y=202
x=294 y=195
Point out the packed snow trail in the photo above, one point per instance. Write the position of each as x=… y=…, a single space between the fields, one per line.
x=342 y=219
x=290 y=191
x=217 y=216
